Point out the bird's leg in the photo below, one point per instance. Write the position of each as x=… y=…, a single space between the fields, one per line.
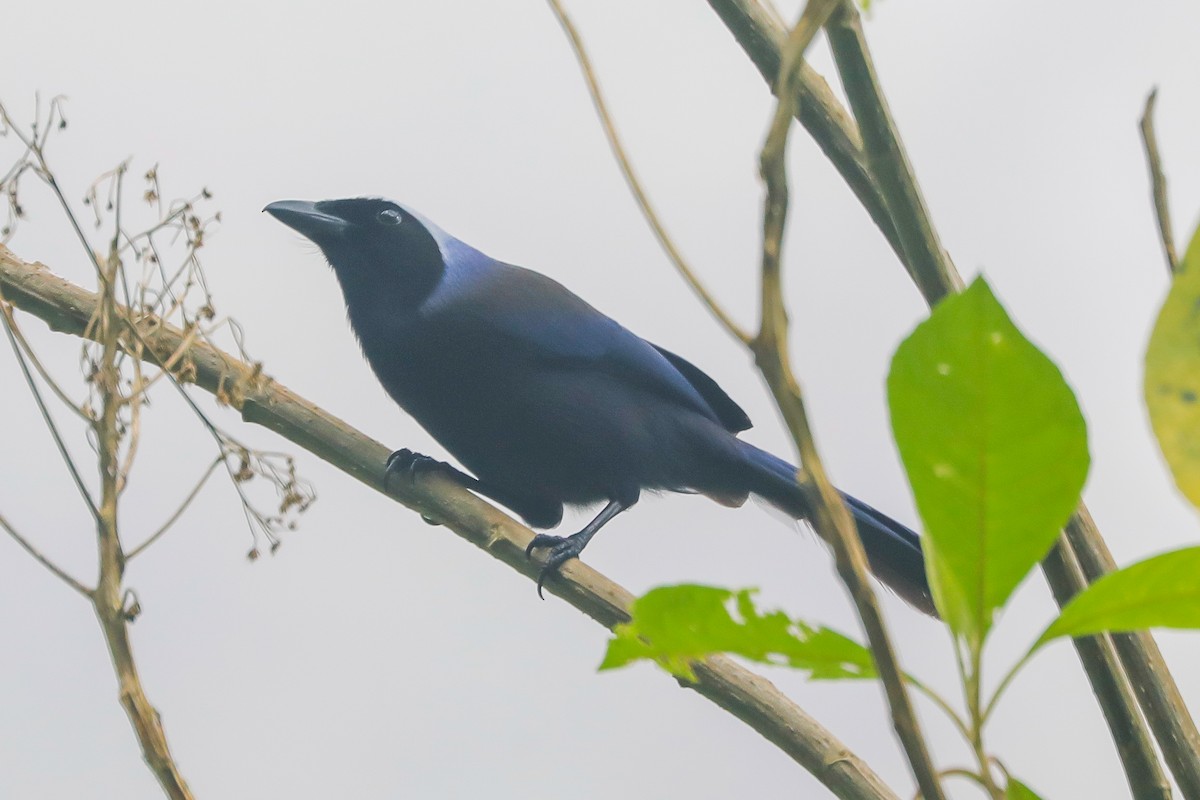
x=564 y=548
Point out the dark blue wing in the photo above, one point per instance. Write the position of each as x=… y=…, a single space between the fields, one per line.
x=730 y=413
x=527 y=310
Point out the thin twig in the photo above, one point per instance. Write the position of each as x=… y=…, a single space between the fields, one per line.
x=635 y=185
x=166 y=369
x=951 y=714
x=830 y=518
x=757 y=28
x=67 y=308
x=41 y=370
x=171 y=520
x=105 y=325
x=5 y=312
x=55 y=570
x=1158 y=181
x=970 y=668
x=147 y=724
x=35 y=148
x=109 y=597
x=133 y=430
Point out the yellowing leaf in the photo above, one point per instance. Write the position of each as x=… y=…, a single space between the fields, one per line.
x=1172 y=383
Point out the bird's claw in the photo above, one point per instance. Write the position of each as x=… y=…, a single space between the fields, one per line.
x=562 y=550
x=411 y=463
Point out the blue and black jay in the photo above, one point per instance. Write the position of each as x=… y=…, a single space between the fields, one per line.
x=545 y=400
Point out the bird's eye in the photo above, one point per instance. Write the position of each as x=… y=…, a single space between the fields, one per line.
x=389 y=216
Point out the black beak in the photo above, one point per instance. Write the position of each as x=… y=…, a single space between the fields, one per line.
x=305 y=218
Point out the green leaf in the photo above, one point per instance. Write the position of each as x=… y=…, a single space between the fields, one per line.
x=675 y=625
x=1015 y=790
x=1160 y=592
x=995 y=448
x=1172 y=383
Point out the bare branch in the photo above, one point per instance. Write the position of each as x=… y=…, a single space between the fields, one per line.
x=924 y=256
x=1158 y=181
x=55 y=570
x=107 y=325
x=179 y=218
x=635 y=185
x=34 y=147
x=830 y=518
x=116 y=424
x=167 y=368
x=38 y=367
x=262 y=401
x=756 y=26
x=114 y=616
x=5 y=313
x=133 y=430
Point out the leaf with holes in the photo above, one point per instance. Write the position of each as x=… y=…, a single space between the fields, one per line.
x=676 y=625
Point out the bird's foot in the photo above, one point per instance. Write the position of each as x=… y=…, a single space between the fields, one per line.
x=411 y=464
x=562 y=550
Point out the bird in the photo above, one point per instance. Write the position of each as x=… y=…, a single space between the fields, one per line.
x=546 y=401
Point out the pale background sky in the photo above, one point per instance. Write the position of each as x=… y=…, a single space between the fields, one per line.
x=377 y=657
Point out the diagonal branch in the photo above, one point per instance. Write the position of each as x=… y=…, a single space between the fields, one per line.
x=260 y=400
x=51 y=425
x=1157 y=693
x=1110 y=684
x=55 y=569
x=831 y=519
x=114 y=617
x=923 y=255
x=107 y=326
x=15 y=331
x=760 y=33
x=187 y=501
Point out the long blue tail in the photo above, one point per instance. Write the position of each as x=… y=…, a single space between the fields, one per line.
x=893 y=550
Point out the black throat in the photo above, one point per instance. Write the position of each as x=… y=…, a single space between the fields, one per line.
x=382 y=286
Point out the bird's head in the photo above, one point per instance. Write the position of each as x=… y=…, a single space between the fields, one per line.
x=369 y=242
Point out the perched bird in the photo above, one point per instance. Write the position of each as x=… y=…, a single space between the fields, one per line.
x=547 y=401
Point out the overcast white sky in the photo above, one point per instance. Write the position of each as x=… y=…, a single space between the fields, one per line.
x=377 y=657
